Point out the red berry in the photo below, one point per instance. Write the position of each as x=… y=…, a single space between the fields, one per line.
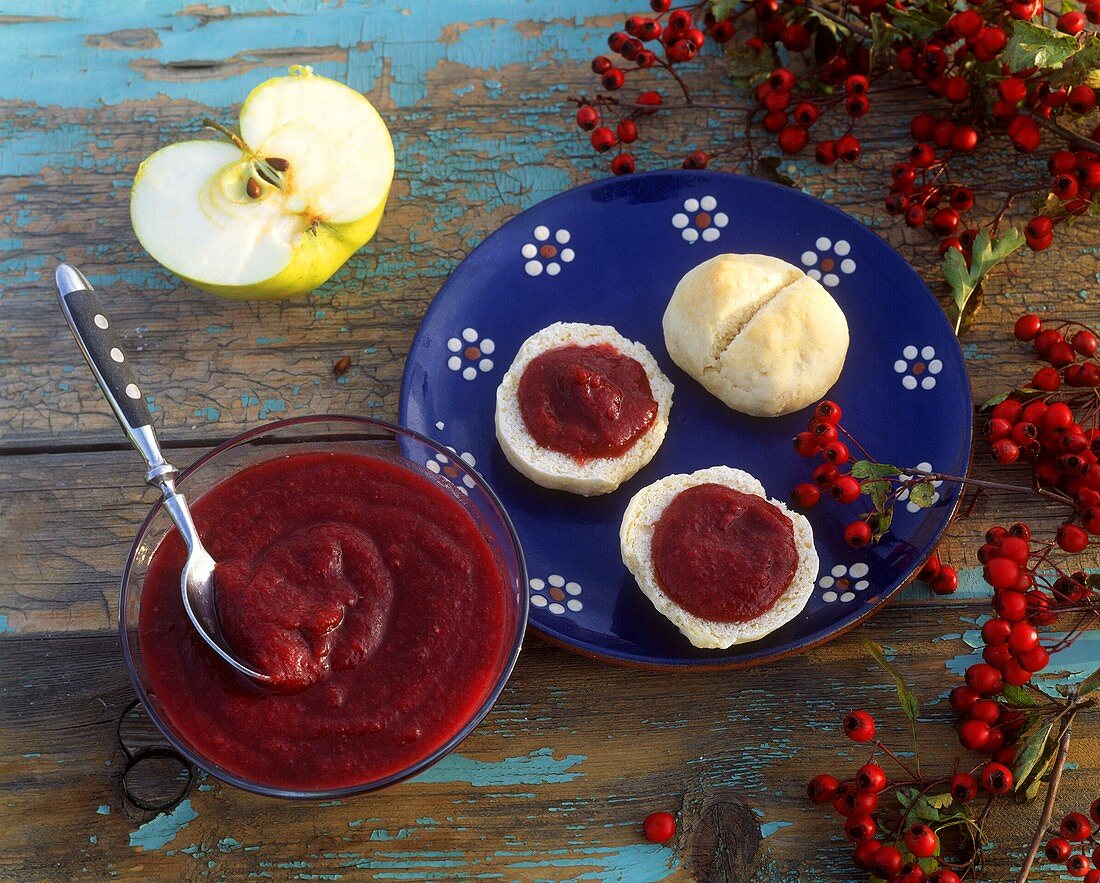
x=1006 y=451
x=825 y=152
x=1035 y=659
x=984 y=679
x=1076 y=827
x=1072 y=538
x=587 y=117
x=603 y=139
x=915 y=216
x=796 y=38
x=649 y=99
x=1022 y=638
x=985 y=710
x=996 y=631
x=821 y=788
x=964 y=787
x=886 y=862
x=825 y=475
x=1015 y=548
x=1077 y=865
x=865 y=852
x=1072 y=22
x=946 y=582
x=659 y=827
x=1057 y=849
x=857 y=534
x=1085 y=343
x=859 y=726
x=781 y=78
x=922 y=156
x=1094 y=812
x=793 y=138
x=806 y=495
x=623 y=164
x=613 y=79
x=965 y=138
x=966 y=24
x=910 y=872
x=697 y=159
x=1001 y=572
x=857 y=105
x=827 y=411
x=974 y=734
x=929 y=569
x=921 y=127
x=836 y=452
x=962 y=698
x=945 y=222
x=805 y=113
x=921 y=841
x=859 y=828
x=846 y=489
x=871 y=777
x=1010 y=605
x=962 y=199
x=1046 y=379
x=944 y=875
x=1012 y=89
x=996 y=778
x=627 y=130
x=1064 y=187
x=1081 y=99
x=660 y=5
x=1028 y=325
x=848 y=148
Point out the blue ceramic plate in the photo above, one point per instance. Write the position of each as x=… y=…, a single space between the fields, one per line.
x=610 y=253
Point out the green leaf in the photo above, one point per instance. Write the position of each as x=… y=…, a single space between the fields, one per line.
x=996 y=400
x=723 y=8
x=940 y=801
x=1089 y=684
x=882 y=38
x=1030 y=754
x=880 y=523
x=985 y=255
x=920 y=24
x=751 y=66
x=865 y=470
x=768 y=167
x=1033 y=45
x=905 y=696
x=922 y=494
x=1014 y=695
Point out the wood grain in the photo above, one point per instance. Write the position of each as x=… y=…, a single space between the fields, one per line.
x=555 y=781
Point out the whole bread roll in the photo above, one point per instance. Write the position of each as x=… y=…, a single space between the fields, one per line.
x=636 y=540
x=553 y=469
x=756 y=332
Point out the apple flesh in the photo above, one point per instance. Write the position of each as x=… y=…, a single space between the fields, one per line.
x=274 y=212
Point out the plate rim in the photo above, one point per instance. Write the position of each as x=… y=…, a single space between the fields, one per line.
x=748 y=660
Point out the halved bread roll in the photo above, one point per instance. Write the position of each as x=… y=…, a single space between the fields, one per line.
x=636 y=540
x=557 y=470
x=756 y=332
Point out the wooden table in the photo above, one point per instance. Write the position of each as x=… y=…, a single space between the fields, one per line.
x=554 y=783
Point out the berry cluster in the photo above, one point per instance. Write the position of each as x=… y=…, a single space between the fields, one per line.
x=1077 y=833
x=883 y=819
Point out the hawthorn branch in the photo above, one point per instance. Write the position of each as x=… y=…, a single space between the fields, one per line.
x=1048 y=806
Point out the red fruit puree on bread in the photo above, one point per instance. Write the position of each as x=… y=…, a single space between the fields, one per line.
x=364 y=589
x=723 y=555
x=586 y=401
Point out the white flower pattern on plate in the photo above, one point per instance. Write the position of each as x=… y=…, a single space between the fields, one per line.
x=556 y=594
x=825 y=266
x=469 y=355
x=918 y=367
x=443 y=465
x=903 y=497
x=842 y=583
x=546 y=253
x=699 y=220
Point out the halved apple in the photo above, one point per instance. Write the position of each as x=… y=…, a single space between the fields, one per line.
x=275 y=211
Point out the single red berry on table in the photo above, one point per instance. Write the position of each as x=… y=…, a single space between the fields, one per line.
x=1057 y=849
x=859 y=828
x=1085 y=343
x=826 y=152
x=1072 y=22
x=962 y=698
x=886 y=862
x=603 y=139
x=836 y=452
x=871 y=777
x=1077 y=865
x=825 y=475
x=650 y=99
x=613 y=79
x=659 y=827
x=974 y=734
x=793 y=138
x=697 y=159
x=984 y=679
x=806 y=495
x=946 y=582
x=848 y=148
x=627 y=130
x=1076 y=827
x=623 y=164
x=921 y=840
x=1029 y=325
x=929 y=569
x=964 y=787
x=1072 y=538
x=587 y=117
x=944 y=875
x=996 y=778
x=821 y=788
x=859 y=726
x=846 y=489
x=857 y=534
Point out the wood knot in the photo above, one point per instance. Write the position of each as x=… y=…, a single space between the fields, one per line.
x=724 y=841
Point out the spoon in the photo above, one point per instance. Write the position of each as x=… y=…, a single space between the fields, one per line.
x=101 y=346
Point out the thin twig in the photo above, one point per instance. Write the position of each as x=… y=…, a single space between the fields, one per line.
x=1048 y=806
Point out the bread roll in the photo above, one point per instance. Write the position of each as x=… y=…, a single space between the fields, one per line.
x=757 y=333
x=636 y=537
x=554 y=469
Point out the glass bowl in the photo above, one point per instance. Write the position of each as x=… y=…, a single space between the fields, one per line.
x=328 y=434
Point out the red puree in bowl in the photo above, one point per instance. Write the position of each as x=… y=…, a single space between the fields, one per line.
x=586 y=401
x=366 y=590
x=723 y=555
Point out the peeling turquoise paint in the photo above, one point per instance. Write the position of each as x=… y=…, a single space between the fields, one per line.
x=32 y=754
x=210 y=414
x=104 y=810
x=163 y=829
x=1070 y=665
x=271 y=406
x=5 y=627
x=769 y=828
x=537 y=768
x=639 y=863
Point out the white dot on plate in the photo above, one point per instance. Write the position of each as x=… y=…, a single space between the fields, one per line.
x=679 y=220
x=533 y=268
x=454 y=363
x=823 y=244
x=710 y=234
x=901 y=366
x=542 y=233
x=839 y=570
x=485 y=364
x=861 y=585
x=690 y=235
x=935 y=366
x=529 y=250
x=538 y=601
x=442 y=458
x=847 y=596
x=469 y=335
x=567 y=255
x=910 y=352
x=562 y=236
x=858 y=570
x=439 y=424
x=116 y=354
x=828 y=597
x=928 y=382
x=814 y=274
x=433 y=466
x=553 y=268
x=925 y=466
x=556 y=608
x=469 y=373
x=466 y=480
x=100 y=321
x=454 y=344
x=488 y=347
x=809 y=258
x=132 y=391
x=537 y=584
x=825 y=582
x=847 y=266
x=468 y=458
x=721 y=219
x=573 y=588
x=842 y=247
x=556 y=580
x=574 y=605
x=909 y=381
x=691 y=205
x=928 y=352
x=708 y=203
x=830 y=279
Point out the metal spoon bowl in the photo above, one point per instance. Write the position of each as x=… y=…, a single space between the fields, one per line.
x=102 y=348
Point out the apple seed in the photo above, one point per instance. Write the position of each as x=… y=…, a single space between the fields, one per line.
x=277 y=163
x=252 y=188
